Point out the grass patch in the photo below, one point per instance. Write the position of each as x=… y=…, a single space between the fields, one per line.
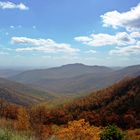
x=6 y=134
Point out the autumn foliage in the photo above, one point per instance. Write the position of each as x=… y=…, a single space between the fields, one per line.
x=79 y=130
x=81 y=119
x=22 y=122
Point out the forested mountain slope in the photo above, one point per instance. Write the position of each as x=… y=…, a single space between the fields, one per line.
x=119 y=103
x=21 y=94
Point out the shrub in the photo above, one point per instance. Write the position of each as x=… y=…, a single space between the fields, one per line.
x=79 y=130
x=5 y=134
x=112 y=132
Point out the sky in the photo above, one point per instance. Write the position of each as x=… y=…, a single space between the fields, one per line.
x=50 y=33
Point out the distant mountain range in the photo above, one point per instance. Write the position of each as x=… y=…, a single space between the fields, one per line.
x=21 y=94
x=66 y=71
x=75 y=79
x=9 y=72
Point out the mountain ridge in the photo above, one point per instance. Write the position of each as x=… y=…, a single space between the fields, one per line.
x=75 y=78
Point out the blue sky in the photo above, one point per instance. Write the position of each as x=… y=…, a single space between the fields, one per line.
x=56 y=32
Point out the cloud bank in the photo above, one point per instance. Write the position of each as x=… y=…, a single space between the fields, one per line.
x=42 y=45
x=99 y=40
x=123 y=43
x=11 y=5
x=129 y=20
x=134 y=49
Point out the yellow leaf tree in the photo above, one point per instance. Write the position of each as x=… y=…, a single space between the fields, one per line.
x=79 y=130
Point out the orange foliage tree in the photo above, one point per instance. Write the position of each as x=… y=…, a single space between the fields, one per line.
x=79 y=130
x=22 y=122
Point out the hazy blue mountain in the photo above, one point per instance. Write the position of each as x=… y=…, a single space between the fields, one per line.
x=4 y=73
x=66 y=71
x=75 y=78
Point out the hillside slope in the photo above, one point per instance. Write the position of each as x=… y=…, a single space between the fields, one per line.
x=119 y=103
x=21 y=94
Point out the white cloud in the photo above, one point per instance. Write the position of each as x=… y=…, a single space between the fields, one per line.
x=133 y=49
x=83 y=39
x=91 y=52
x=4 y=53
x=96 y=40
x=124 y=38
x=42 y=45
x=135 y=34
x=12 y=27
x=125 y=43
x=129 y=20
x=11 y=5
